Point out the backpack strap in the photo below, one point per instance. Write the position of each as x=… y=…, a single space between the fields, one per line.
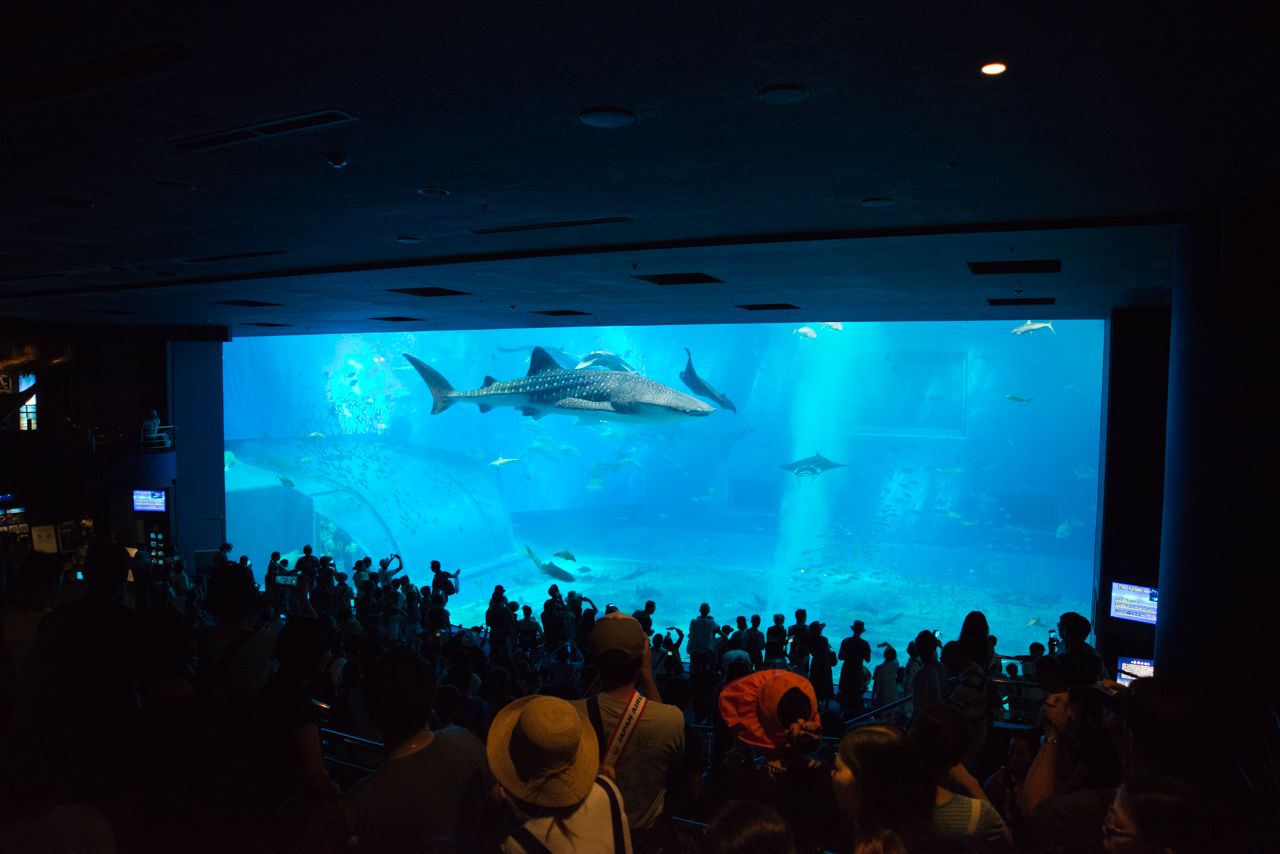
x=975 y=812
x=597 y=723
x=615 y=813
x=529 y=842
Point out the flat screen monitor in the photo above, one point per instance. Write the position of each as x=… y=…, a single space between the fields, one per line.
x=148 y=500
x=1129 y=669
x=1131 y=602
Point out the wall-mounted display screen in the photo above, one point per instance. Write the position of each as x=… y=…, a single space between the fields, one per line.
x=1131 y=602
x=148 y=500
x=1129 y=669
x=900 y=474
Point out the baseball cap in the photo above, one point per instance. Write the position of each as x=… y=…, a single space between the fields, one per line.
x=618 y=631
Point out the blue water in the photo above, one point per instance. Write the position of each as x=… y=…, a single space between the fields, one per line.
x=952 y=495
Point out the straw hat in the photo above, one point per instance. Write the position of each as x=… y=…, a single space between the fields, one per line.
x=544 y=752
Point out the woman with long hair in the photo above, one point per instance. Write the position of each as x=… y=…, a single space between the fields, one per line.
x=879 y=783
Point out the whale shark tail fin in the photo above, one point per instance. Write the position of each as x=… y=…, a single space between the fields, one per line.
x=441 y=391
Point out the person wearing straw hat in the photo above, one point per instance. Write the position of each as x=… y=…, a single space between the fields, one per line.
x=639 y=738
x=546 y=758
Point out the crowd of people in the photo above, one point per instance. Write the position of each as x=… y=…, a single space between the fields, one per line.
x=151 y=709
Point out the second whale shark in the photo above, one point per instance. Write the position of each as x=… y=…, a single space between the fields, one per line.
x=549 y=389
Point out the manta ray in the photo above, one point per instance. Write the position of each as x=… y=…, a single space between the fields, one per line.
x=549 y=389
x=812 y=466
x=701 y=387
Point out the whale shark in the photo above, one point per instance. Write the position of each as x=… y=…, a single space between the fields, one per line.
x=549 y=389
x=812 y=466
x=701 y=387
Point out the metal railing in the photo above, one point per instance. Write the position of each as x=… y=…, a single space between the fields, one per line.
x=108 y=440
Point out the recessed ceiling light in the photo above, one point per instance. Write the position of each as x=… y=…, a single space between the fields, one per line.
x=408 y=239
x=877 y=202
x=785 y=93
x=434 y=191
x=606 y=117
x=993 y=68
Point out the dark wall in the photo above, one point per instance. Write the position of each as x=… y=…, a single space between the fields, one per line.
x=199 y=498
x=1132 y=481
x=1219 y=584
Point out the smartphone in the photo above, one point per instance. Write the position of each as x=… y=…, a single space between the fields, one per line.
x=291 y=580
x=79 y=576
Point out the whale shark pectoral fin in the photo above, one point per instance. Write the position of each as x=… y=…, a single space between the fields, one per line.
x=578 y=404
x=530 y=411
x=484 y=407
x=540 y=361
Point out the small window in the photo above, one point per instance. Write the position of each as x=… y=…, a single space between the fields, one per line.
x=27 y=413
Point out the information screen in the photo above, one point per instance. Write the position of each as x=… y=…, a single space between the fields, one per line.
x=148 y=500
x=1129 y=669
x=1131 y=602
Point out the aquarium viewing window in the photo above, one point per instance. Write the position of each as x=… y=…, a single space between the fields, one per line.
x=900 y=474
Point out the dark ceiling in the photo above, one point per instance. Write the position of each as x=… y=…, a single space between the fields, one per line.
x=1110 y=127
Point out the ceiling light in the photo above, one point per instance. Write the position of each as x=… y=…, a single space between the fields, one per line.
x=993 y=68
x=606 y=117
x=408 y=239
x=433 y=191
x=785 y=93
x=877 y=202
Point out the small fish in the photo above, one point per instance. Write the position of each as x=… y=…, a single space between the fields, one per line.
x=1030 y=327
x=1064 y=530
x=502 y=461
x=567 y=555
x=1018 y=398
x=838 y=327
x=1084 y=472
x=805 y=331
x=285 y=480
x=315 y=435
x=954 y=515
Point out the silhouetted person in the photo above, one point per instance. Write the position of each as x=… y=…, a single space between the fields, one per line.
x=854 y=652
x=702 y=630
x=798 y=653
x=1081 y=664
x=645 y=616
x=79 y=685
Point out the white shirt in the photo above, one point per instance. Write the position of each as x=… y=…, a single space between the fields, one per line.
x=591 y=825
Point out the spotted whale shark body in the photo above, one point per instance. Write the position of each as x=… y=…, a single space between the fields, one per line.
x=549 y=389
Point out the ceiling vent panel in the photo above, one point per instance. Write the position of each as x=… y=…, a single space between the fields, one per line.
x=769 y=306
x=1010 y=268
x=1022 y=301
x=398 y=319
x=275 y=127
x=239 y=257
x=93 y=74
x=247 y=303
x=563 y=312
x=429 y=292
x=566 y=224
x=680 y=279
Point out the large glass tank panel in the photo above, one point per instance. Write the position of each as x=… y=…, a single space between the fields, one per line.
x=897 y=473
